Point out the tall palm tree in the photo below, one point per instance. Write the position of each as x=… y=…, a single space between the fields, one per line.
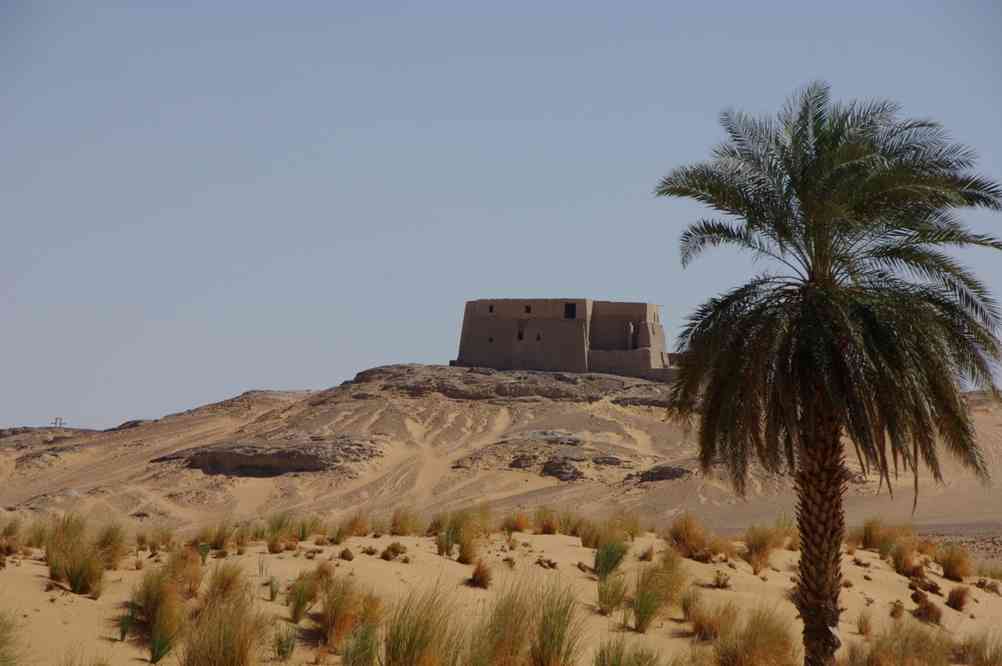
x=863 y=330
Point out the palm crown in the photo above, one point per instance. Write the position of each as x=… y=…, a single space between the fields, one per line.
x=866 y=313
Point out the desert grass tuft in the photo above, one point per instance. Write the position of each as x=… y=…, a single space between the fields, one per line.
x=516 y=522
x=989 y=569
x=900 y=644
x=956 y=562
x=710 y=622
x=864 y=623
x=283 y=642
x=404 y=522
x=501 y=636
x=362 y=647
x=657 y=586
x=760 y=541
x=687 y=535
x=547 y=521
x=690 y=602
x=422 y=629
x=958 y=598
x=340 y=610
x=167 y=623
x=111 y=544
x=982 y=649
x=184 y=566
x=619 y=653
x=927 y=611
x=903 y=559
x=611 y=594
x=481 y=576
x=10 y=642
x=228 y=632
x=608 y=557
x=763 y=640
x=556 y=636
x=225 y=581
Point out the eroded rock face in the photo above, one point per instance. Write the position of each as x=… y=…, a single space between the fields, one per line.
x=265 y=458
x=660 y=473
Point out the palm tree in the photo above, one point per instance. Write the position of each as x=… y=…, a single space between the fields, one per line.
x=863 y=331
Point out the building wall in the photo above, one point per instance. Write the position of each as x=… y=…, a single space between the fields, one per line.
x=535 y=334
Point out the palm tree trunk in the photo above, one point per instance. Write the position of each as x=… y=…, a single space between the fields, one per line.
x=821 y=484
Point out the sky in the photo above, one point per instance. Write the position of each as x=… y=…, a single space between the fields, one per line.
x=198 y=201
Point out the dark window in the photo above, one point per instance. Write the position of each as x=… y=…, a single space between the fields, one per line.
x=570 y=310
x=521 y=335
x=490 y=308
x=528 y=309
x=539 y=336
x=490 y=339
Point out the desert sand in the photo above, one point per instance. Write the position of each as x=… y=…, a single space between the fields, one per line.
x=436 y=439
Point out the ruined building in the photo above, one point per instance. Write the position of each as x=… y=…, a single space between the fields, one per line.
x=568 y=335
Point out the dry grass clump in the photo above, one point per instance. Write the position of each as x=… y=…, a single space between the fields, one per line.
x=657 y=586
x=958 y=598
x=72 y=558
x=219 y=537
x=874 y=535
x=167 y=623
x=357 y=525
x=421 y=629
x=501 y=636
x=956 y=562
x=283 y=642
x=546 y=521
x=763 y=639
x=903 y=643
x=228 y=631
x=481 y=575
x=787 y=534
x=989 y=569
x=404 y=522
x=709 y=623
x=760 y=541
x=864 y=623
x=687 y=535
x=111 y=544
x=10 y=643
x=628 y=522
x=903 y=558
x=516 y=522
x=301 y=596
x=393 y=551
x=926 y=611
x=343 y=607
x=593 y=534
x=184 y=567
x=611 y=594
x=689 y=602
x=226 y=581
x=619 y=653
x=980 y=650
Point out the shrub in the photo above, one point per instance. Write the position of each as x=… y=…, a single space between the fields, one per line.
x=687 y=535
x=721 y=580
x=611 y=594
x=275 y=544
x=872 y=531
x=37 y=533
x=547 y=521
x=628 y=522
x=147 y=593
x=903 y=559
x=956 y=562
x=279 y=525
x=228 y=632
x=421 y=629
x=897 y=609
x=347 y=555
x=10 y=644
x=515 y=522
x=864 y=623
x=608 y=557
x=593 y=535
x=690 y=602
x=66 y=533
x=501 y=636
x=759 y=544
x=481 y=575
x=283 y=642
x=765 y=639
x=618 y=653
x=957 y=599
x=555 y=639
x=708 y=624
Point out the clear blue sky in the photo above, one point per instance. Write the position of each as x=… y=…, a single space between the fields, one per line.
x=196 y=202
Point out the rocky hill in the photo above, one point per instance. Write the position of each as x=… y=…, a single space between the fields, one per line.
x=431 y=437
